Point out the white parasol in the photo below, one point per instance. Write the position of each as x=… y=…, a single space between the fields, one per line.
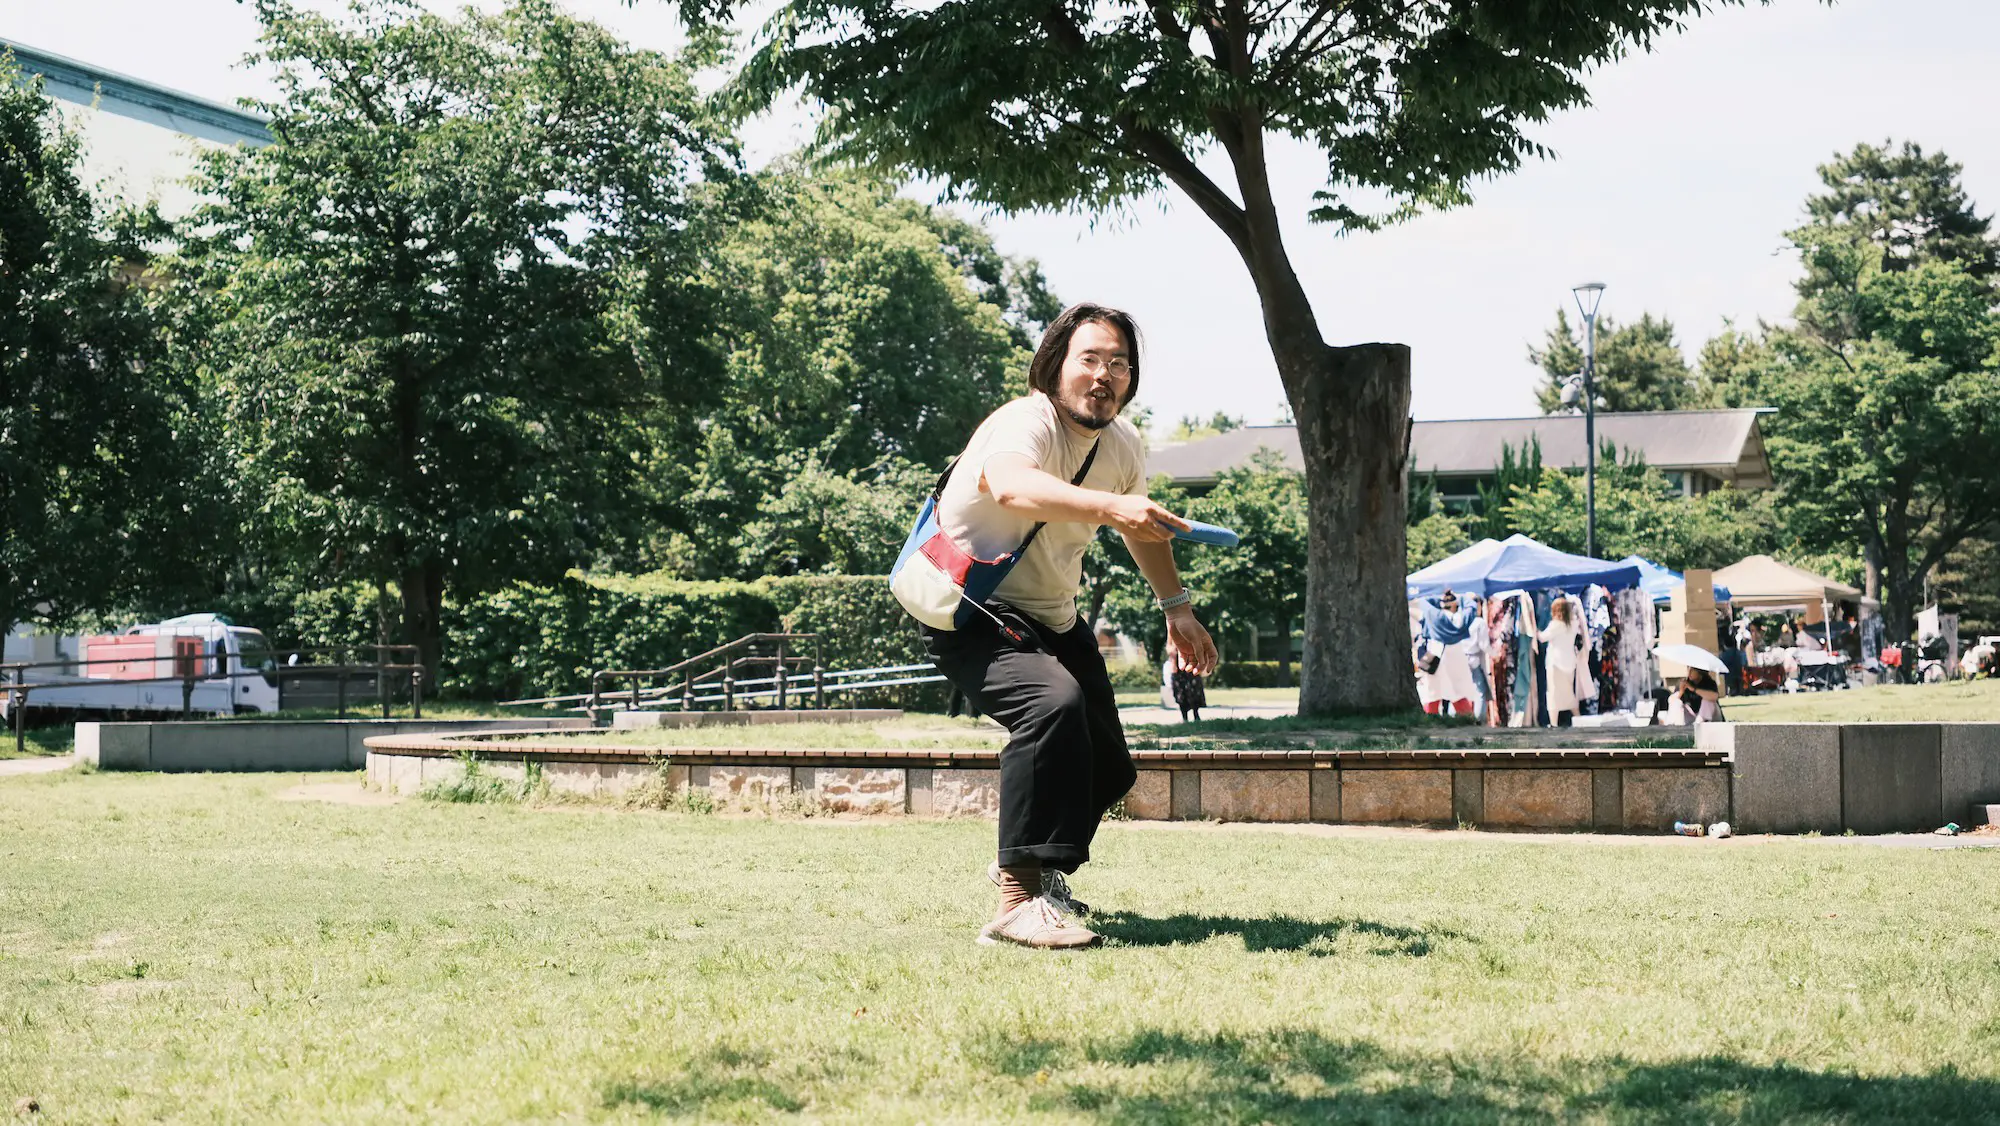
x=1693 y=656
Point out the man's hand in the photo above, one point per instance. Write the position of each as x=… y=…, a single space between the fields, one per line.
x=1138 y=518
x=1188 y=639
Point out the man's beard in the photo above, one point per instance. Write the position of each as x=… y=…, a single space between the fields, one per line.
x=1088 y=421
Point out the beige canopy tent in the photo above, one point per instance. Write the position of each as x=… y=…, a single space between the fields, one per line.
x=1761 y=582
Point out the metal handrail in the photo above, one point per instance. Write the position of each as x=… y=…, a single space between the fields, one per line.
x=798 y=678
x=730 y=657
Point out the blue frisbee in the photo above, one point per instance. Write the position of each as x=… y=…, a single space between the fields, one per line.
x=1210 y=534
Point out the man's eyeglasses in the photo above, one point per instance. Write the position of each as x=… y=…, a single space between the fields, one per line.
x=1118 y=369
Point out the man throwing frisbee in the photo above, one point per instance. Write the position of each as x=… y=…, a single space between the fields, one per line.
x=1028 y=660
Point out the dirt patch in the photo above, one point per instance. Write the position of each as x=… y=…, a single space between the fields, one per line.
x=48 y=764
x=339 y=793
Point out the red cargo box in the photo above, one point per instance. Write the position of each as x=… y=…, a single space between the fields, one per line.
x=133 y=656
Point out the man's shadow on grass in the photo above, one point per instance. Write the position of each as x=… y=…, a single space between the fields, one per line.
x=1318 y=937
x=1302 y=1076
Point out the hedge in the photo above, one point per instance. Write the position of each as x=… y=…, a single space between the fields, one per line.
x=1253 y=674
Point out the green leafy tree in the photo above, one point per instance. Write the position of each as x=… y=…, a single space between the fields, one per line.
x=1968 y=584
x=1888 y=384
x=1095 y=106
x=1191 y=427
x=865 y=337
x=1906 y=203
x=1261 y=582
x=100 y=472
x=1640 y=513
x=1518 y=468
x=1732 y=367
x=1257 y=585
x=1438 y=535
x=455 y=309
x=1639 y=365
x=822 y=521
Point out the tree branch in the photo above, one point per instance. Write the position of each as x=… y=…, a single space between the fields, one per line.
x=1154 y=147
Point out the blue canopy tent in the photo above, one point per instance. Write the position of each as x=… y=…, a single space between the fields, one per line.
x=1658 y=582
x=1518 y=563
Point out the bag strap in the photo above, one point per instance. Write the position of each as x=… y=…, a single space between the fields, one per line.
x=1082 y=471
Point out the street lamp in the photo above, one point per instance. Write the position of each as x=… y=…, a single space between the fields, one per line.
x=1587 y=296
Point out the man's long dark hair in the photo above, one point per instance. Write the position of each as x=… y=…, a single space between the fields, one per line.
x=1045 y=371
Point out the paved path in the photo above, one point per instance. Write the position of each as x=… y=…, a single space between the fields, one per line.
x=44 y=765
x=1153 y=713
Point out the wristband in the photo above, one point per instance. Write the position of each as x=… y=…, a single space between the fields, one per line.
x=1181 y=599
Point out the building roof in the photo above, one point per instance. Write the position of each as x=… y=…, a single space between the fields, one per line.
x=1725 y=443
x=111 y=92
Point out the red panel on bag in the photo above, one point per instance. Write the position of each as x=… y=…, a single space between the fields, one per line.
x=952 y=560
x=954 y=563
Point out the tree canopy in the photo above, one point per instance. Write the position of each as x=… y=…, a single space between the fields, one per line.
x=445 y=308
x=1639 y=365
x=1888 y=383
x=865 y=336
x=100 y=488
x=1094 y=106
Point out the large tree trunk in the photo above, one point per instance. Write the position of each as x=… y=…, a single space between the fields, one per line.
x=1354 y=424
x=1353 y=411
x=423 y=616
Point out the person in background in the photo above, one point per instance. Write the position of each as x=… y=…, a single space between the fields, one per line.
x=1189 y=695
x=1473 y=652
x=1444 y=680
x=1850 y=640
x=1733 y=658
x=1562 y=642
x=1700 y=696
x=1810 y=641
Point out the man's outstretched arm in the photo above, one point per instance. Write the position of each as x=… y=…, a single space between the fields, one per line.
x=1024 y=488
x=1185 y=634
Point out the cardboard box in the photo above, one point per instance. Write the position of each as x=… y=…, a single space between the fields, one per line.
x=1700 y=587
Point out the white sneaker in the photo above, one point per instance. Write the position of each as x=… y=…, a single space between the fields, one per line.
x=1038 y=924
x=1055 y=886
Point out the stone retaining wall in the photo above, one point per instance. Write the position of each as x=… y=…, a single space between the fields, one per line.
x=1594 y=788
x=261 y=744
x=1867 y=777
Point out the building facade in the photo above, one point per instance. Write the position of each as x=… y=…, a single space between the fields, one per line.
x=1696 y=450
x=140 y=139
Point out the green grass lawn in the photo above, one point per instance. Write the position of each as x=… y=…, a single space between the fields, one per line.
x=37 y=742
x=190 y=949
x=1952 y=701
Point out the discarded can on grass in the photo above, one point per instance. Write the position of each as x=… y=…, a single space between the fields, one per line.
x=1688 y=828
x=1719 y=830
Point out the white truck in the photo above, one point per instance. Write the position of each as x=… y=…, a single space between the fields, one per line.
x=147 y=668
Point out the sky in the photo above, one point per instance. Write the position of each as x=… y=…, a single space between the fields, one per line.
x=1674 y=188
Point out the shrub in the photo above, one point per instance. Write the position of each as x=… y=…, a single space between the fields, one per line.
x=473 y=784
x=1134 y=674
x=530 y=640
x=861 y=626
x=1252 y=674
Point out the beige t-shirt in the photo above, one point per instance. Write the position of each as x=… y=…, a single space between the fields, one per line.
x=1045 y=582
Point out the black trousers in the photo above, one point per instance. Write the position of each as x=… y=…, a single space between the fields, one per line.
x=1066 y=762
